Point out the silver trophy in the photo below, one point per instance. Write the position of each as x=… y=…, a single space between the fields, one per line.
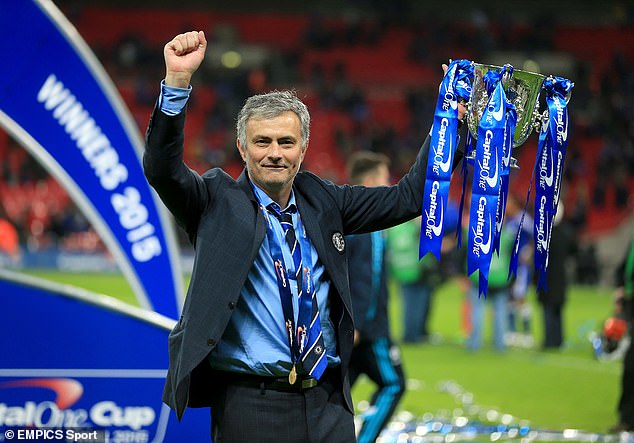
x=522 y=89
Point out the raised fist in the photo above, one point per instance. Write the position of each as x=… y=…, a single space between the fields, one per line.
x=183 y=55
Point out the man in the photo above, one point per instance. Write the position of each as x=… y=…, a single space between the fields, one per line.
x=374 y=353
x=416 y=278
x=499 y=286
x=553 y=297
x=520 y=312
x=271 y=363
x=9 y=240
x=624 y=304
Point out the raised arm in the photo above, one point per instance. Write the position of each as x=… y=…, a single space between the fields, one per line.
x=181 y=189
x=371 y=209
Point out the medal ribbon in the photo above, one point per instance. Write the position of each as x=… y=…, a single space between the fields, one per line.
x=298 y=337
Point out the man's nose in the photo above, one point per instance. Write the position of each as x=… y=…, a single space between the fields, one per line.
x=275 y=151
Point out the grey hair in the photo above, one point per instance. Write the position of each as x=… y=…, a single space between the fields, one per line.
x=271 y=105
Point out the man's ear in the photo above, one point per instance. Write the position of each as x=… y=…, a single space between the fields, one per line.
x=304 y=152
x=241 y=150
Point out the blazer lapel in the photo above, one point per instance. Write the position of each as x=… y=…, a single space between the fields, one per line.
x=260 y=226
x=245 y=185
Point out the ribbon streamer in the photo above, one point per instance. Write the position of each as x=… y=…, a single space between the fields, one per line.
x=550 y=169
x=454 y=87
x=488 y=164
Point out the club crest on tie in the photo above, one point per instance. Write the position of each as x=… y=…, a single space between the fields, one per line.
x=338 y=242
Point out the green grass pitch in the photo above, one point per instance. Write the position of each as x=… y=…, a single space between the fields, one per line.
x=546 y=390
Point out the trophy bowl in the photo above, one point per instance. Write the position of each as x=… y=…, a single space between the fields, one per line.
x=522 y=89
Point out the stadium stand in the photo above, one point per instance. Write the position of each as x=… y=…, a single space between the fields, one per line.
x=370 y=84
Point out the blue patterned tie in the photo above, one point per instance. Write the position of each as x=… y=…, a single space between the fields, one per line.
x=314 y=361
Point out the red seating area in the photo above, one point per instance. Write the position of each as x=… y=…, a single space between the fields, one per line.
x=596 y=44
x=384 y=71
x=283 y=31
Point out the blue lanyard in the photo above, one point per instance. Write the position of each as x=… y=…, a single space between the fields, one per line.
x=297 y=336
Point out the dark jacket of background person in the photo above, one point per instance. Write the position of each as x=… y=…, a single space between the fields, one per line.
x=553 y=297
x=625 y=309
x=562 y=246
x=223 y=221
x=370 y=299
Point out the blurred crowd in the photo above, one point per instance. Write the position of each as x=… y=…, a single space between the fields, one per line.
x=353 y=107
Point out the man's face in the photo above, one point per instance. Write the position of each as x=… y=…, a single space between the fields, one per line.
x=273 y=152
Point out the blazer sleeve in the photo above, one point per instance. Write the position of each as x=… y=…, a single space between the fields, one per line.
x=181 y=189
x=366 y=209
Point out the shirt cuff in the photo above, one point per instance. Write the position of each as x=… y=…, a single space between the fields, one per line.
x=173 y=100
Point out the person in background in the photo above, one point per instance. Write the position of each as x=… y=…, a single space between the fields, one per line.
x=624 y=308
x=374 y=352
x=416 y=278
x=553 y=297
x=9 y=240
x=520 y=310
x=498 y=295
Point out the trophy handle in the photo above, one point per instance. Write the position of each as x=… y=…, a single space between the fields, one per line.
x=541 y=118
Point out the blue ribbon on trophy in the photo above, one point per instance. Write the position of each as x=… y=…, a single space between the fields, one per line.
x=518 y=236
x=467 y=159
x=444 y=140
x=487 y=181
x=553 y=153
x=502 y=111
x=549 y=163
x=509 y=131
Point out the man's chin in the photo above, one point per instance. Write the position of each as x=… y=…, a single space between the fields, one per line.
x=279 y=177
x=275 y=185
x=274 y=181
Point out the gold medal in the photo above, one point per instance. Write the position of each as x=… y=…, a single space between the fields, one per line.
x=292 y=376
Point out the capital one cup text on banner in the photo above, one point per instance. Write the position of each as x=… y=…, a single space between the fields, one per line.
x=70 y=364
x=502 y=109
x=78 y=362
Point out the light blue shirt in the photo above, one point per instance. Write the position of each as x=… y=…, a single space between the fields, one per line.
x=172 y=100
x=255 y=339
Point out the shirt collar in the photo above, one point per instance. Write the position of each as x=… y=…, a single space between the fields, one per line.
x=265 y=200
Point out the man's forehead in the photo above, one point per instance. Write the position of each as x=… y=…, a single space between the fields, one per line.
x=286 y=123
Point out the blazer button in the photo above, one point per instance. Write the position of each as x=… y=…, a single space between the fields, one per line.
x=211 y=342
x=232 y=305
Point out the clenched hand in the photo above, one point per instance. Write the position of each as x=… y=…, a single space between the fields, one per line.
x=183 y=55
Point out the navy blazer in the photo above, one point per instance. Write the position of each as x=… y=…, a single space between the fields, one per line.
x=224 y=224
